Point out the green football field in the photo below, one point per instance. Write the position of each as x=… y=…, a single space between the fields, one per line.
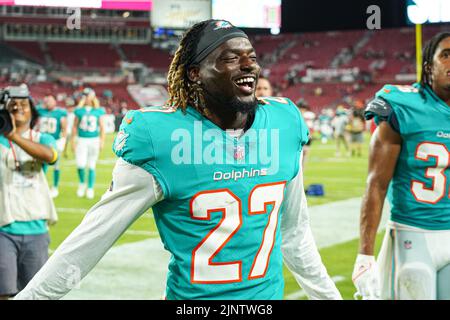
x=342 y=177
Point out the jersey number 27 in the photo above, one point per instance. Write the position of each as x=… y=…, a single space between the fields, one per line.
x=203 y=269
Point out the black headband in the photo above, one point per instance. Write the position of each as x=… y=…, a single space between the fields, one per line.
x=212 y=36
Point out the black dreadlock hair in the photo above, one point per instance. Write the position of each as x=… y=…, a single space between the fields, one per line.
x=427 y=59
x=34 y=114
x=182 y=91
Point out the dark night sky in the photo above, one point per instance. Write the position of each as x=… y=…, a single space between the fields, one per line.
x=320 y=15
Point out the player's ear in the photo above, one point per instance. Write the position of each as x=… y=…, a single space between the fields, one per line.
x=193 y=73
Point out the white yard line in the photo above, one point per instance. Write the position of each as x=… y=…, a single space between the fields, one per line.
x=141 y=233
x=72 y=210
x=338 y=222
x=301 y=293
x=75 y=184
x=84 y=211
x=70 y=163
x=129 y=271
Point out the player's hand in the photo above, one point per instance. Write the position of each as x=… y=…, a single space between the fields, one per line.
x=10 y=135
x=366 y=278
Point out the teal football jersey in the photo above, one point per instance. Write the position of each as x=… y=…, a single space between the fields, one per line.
x=89 y=121
x=419 y=192
x=50 y=121
x=223 y=196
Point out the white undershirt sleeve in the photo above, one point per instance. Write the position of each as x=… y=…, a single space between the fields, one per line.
x=300 y=253
x=133 y=192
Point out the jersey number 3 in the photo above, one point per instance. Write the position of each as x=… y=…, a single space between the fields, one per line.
x=424 y=151
x=203 y=269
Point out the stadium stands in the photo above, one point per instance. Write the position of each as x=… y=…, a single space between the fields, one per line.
x=84 y=55
x=28 y=50
x=153 y=58
x=285 y=59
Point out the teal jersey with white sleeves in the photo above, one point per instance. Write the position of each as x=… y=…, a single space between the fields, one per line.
x=50 y=121
x=419 y=192
x=89 y=121
x=223 y=195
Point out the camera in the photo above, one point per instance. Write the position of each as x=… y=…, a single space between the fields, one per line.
x=6 y=95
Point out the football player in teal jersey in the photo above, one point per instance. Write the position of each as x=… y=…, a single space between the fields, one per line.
x=221 y=171
x=53 y=120
x=409 y=162
x=88 y=138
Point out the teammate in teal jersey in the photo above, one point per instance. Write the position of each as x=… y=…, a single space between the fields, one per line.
x=53 y=120
x=409 y=161
x=88 y=138
x=221 y=171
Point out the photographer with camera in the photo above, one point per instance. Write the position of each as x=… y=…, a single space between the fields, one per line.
x=25 y=202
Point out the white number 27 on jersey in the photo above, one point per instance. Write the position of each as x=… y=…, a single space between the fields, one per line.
x=203 y=270
x=439 y=151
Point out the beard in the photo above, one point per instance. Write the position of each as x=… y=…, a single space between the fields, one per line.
x=235 y=105
x=226 y=107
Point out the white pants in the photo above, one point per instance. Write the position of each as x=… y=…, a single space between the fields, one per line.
x=87 y=152
x=60 y=144
x=414 y=263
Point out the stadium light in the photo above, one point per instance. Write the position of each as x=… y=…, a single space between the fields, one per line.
x=432 y=11
x=275 y=31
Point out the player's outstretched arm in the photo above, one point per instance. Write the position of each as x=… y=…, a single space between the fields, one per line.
x=300 y=253
x=133 y=192
x=385 y=148
x=384 y=151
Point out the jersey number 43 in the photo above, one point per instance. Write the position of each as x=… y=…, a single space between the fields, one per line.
x=88 y=123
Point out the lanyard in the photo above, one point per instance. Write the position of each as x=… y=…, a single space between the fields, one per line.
x=16 y=161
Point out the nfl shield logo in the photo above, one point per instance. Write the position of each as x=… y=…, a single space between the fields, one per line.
x=407 y=244
x=239 y=152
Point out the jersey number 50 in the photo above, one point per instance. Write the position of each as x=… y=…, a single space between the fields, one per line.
x=48 y=125
x=203 y=270
x=439 y=151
